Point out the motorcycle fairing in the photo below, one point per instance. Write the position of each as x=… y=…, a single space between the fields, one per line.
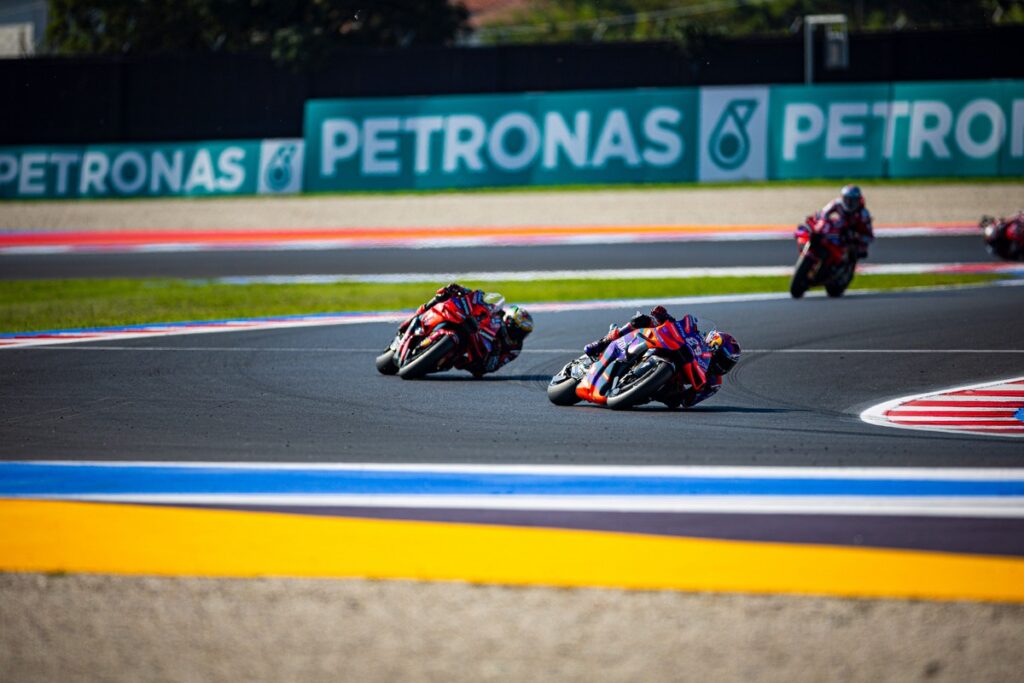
x=451 y=317
x=667 y=339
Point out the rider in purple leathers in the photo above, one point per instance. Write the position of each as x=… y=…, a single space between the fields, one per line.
x=712 y=355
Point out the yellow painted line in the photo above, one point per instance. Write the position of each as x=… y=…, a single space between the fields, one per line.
x=127 y=539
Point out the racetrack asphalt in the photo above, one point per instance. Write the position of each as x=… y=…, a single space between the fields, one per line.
x=312 y=394
x=209 y=264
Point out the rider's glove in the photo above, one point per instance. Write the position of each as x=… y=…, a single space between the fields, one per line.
x=594 y=349
x=455 y=289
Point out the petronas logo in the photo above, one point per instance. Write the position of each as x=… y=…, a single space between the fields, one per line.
x=729 y=146
x=279 y=169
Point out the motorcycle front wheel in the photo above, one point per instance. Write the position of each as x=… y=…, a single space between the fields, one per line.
x=562 y=391
x=635 y=389
x=801 y=277
x=422 y=362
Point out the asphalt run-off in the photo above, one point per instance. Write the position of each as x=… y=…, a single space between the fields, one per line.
x=665 y=528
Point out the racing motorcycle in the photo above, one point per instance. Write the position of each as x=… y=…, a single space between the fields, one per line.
x=1004 y=238
x=640 y=367
x=827 y=256
x=448 y=334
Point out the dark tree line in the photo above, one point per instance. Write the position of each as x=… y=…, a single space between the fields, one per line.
x=683 y=20
x=291 y=31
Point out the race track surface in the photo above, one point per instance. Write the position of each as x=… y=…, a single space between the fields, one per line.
x=940 y=249
x=312 y=394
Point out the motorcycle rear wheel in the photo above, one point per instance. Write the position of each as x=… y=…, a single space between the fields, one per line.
x=838 y=285
x=801 y=277
x=640 y=389
x=427 y=360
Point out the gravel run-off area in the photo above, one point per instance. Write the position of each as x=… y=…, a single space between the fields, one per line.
x=686 y=206
x=97 y=628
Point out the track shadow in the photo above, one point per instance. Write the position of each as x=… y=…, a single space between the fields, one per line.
x=462 y=377
x=737 y=409
x=662 y=408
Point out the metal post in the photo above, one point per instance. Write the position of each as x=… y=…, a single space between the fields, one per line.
x=810 y=21
x=808 y=51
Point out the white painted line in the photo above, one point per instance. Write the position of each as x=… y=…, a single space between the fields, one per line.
x=616 y=274
x=163 y=329
x=1002 y=474
x=1008 y=507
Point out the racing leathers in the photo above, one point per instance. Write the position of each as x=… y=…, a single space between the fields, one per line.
x=1005 y=236
x=860 y=232
x=500 y=347
x=695 y=383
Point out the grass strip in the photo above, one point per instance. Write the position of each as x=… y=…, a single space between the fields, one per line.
x=34 y=305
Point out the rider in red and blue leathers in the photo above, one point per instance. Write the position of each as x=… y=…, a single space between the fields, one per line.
x=1004 y=237
x=711 y=355
x=502 y=335
x=856 y=218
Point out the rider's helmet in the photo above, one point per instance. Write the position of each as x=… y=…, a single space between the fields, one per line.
x=851 y=198
x=518 y=323
x=725 y=352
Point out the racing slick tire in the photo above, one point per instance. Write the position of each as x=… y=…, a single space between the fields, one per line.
x=801 y=277
x=838 y=285
x=641 y=388
x=385 y=363
x=562 y=391
x=427 y=360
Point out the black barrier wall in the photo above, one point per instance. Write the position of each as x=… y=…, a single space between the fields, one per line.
x=67 y=101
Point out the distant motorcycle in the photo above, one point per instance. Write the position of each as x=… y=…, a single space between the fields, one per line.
x=827 y=256
x=640 y=367
x=1004 y=237
x=446 y=335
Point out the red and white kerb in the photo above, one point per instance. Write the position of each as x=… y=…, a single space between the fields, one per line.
x=993 y=408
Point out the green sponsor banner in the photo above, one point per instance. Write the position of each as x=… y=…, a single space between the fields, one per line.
x=898 y=130
x=130 y=170
x=495 y=140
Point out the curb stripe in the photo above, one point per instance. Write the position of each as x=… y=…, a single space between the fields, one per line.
x=615 y=274
x=55 y=242
x=996 y=407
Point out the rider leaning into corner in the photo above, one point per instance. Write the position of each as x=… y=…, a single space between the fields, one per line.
x=712 y=355
x=514 y=325
x=1004 y=237
x=850 y=206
